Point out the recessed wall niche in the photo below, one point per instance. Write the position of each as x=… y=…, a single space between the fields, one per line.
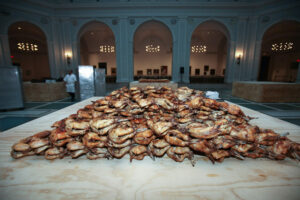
x=97 y=45
x=153 y=49
x=29 y=50
x=209 y=44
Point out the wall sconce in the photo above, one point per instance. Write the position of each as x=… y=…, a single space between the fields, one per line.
x=68 y=55
x=238 y=56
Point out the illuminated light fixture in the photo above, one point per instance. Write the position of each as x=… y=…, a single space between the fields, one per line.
x=282 y=46
x=152 y=49
x=107 y=49
x=199 y=49
x=238 y=56
x=25 y=46
x=11 y=57
x=19 y=28
x=68 y=55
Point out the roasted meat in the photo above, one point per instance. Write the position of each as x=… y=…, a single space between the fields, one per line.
x=155 y=122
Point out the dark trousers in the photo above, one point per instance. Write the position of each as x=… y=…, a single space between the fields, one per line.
x=72 y=94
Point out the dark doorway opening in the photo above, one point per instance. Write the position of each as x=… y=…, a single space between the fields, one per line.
x=264 y=68
x=103 y=65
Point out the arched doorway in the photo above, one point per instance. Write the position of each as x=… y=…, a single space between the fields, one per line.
x=152 y=51
x=280 y=54
x=208 y=53
x=28 y=49
x=97 y=48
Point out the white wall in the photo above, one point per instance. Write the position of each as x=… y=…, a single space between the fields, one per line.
x=157 y=34
x=144 y=61
x=33 y=66
x=95 y=58
x=279 y=67
x=198 y=60
x=221 y=63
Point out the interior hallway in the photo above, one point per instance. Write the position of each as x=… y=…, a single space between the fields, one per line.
x=286 y=111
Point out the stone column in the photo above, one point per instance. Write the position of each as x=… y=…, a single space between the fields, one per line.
x=253 y=48
x=231 y=64
x=124 y=52
x=241 y=46
x=256 y=61
x=181 y=52
x=51 y=58
x=57 y=61
x=237 y=72
x=5 y=59
x=76 y=55
x=68 y=45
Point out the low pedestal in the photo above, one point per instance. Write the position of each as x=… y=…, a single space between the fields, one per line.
x=44 y=91
x=170 y=84
x=259 y=91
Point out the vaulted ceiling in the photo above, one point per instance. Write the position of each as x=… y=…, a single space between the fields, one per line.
x=211 y=34
x=153 y=32
x=95 y=34
x=286 y=31
x=26 y=33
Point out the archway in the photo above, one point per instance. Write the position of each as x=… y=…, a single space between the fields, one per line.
x=208 y=53
x=152 y=51
x=28 y=49
x=97 y=48
x=280 y=54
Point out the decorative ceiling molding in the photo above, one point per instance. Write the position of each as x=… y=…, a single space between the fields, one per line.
x=65 y=7
x=173 y=21
x=265 y=19
x=114 y=21
x=131 y=21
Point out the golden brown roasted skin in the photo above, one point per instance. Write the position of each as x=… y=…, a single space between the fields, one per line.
x=138 y=152
x=156 y=122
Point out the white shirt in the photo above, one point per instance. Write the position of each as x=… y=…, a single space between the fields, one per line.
x=70 y=80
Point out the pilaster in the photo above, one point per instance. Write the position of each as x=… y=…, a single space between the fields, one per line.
x=256 y=61
x=124 y=52
x=5 y=59
x=231 y=65
x=181 y=52
x=57 y=60
x=241 y=48
x=251 y=50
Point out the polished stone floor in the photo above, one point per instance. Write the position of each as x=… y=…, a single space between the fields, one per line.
x=286 y=111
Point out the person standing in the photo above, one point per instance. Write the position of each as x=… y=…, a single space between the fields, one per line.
x=70 y=80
